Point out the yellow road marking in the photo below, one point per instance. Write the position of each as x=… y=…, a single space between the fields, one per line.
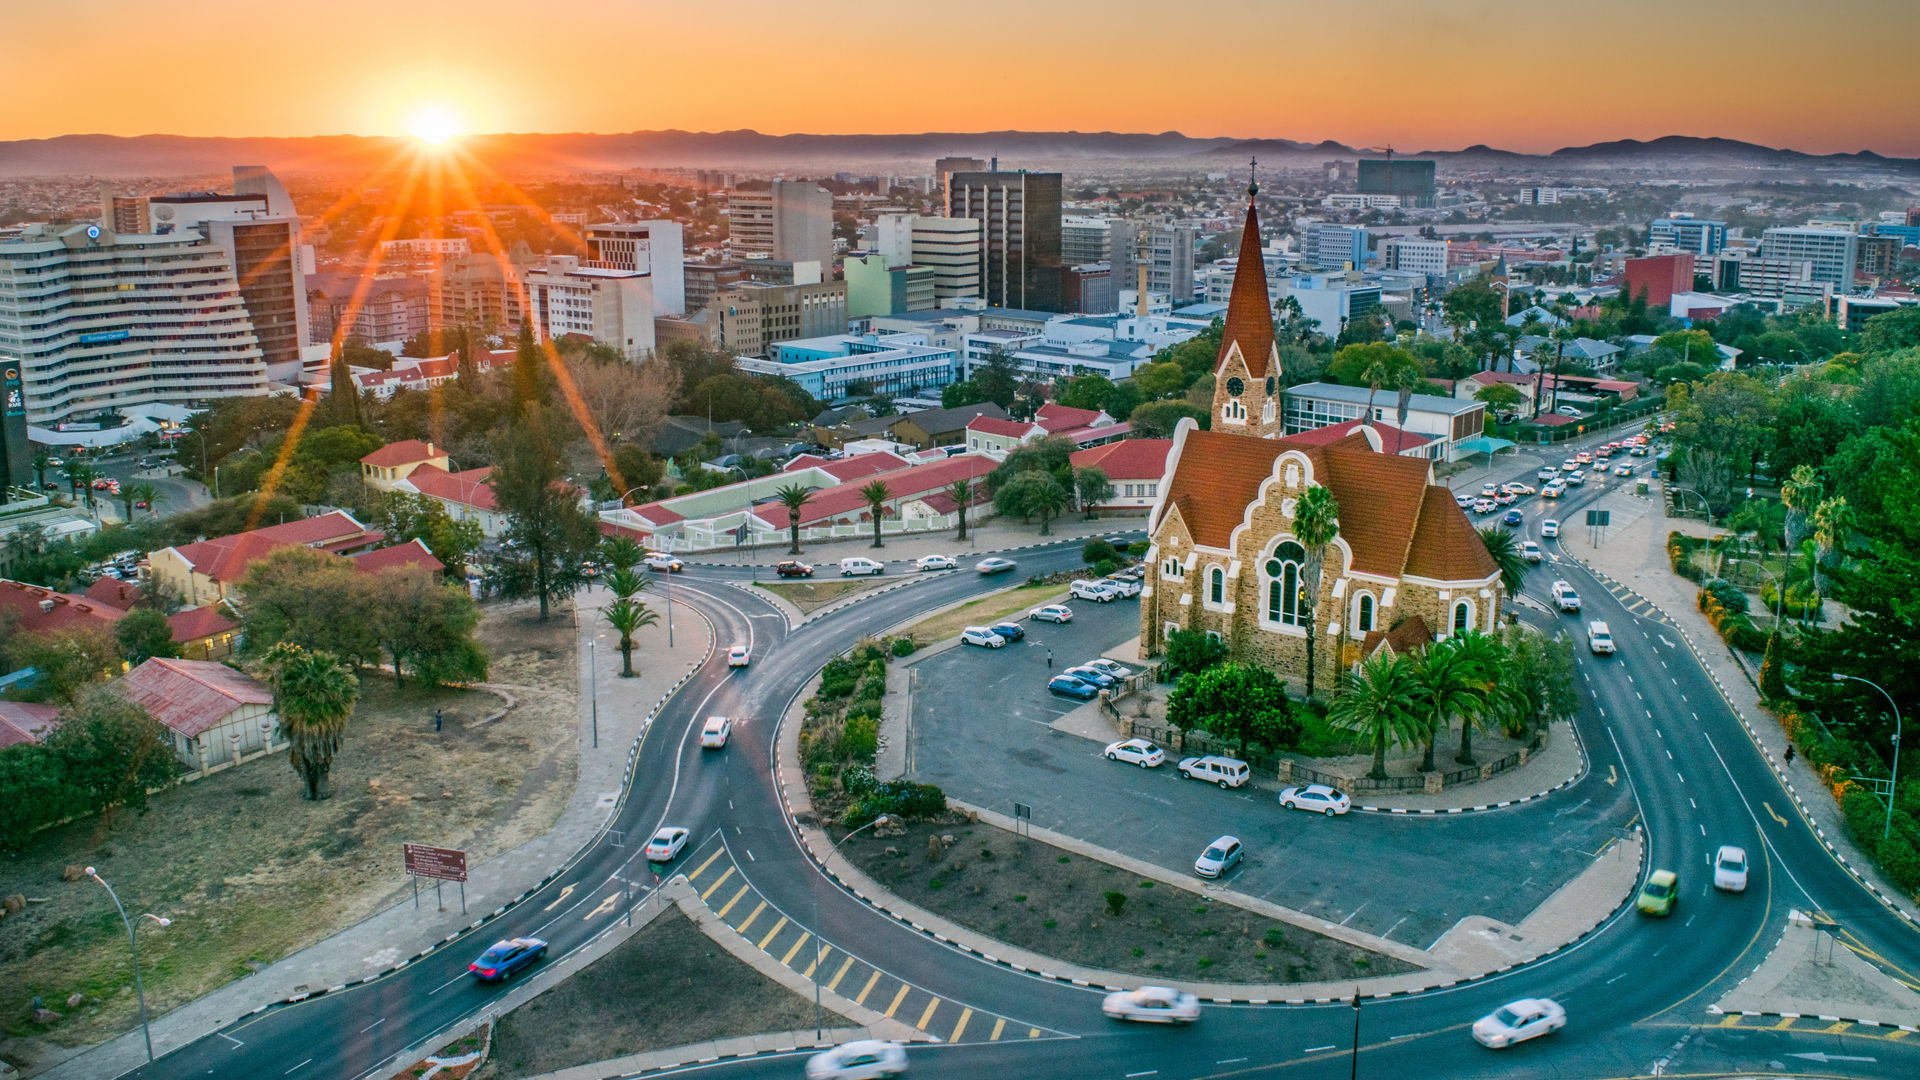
x=719 y=881
x=1900 y=1034
x=867 y=989
x=820 y=954
x=565 y=891
x=729 y=904
x=1837 y=1028
x=928 y=1015
x=1033 y=1033
x=1730 y=1020
x=777 y=927
x=791 y=953
x=897 y=999
x=703 y=866
x=762 y=906
x=1784 y=1024
x=960 y=1028
x=605 y=906
x=999 y=1025
x=1772 y=813
x=841 y=974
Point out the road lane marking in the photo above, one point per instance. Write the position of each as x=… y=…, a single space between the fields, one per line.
x=1730 y=1020
x=1317 y=1049
x=960 y=1028
x=867 y=989
x=897 y=999
x=928 y=1014
x=703 y=866
x=841 y=974
x=237 y=1044
x=1613 y=777
x=721 y=880
x=1784 y=1024
x=1774 y=814
x=820 y=955
x=795 y=950
x=603 y=907
x=771 y=934
x=1149 y=1072
x=999 y=1025
x=298 y=1067
x=363 y=1030
x=722 y=913
x=1033 y=1033
x=565 y=891
x=742 y=928
x=1836 y=1028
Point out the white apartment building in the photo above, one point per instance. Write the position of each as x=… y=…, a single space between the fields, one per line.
x=103 y=321
x=425 y=247
x=613 y=307
x=1835 y=253
x=654 y=248
x=1415 y=256
x=1341 y=200
x=951 y=247
x=791 y=221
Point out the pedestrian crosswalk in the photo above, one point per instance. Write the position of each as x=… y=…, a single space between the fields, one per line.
x=723 y=887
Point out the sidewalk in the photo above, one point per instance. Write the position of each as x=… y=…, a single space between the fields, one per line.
x=1808 y=973
x=1634 y=556
x=401 y=934
x=994 y=535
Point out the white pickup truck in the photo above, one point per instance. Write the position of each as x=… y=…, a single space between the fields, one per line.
x=1564 y=597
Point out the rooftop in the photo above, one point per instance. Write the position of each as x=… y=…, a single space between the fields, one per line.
x=1359 y=395
x=191 y=696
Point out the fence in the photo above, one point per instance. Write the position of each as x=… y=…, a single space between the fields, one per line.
x=1291 y=770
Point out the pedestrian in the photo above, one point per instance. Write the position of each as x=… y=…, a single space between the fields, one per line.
x=1049 y=659
x=436 y=719
x=1789 y=753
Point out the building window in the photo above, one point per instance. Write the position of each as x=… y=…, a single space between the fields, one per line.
x=1171 y=568
x=1233 y=412
x=1216 y=586
x=1363 y=613
x=1462 y=617
x=1287 y=603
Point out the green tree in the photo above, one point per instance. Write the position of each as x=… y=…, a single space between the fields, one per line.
x=1375 y=363
x=961 y=492
x=1380 y=702
x=404 y=516
x=1802 y=492
x=144 y=492
x=1190 y=652
x=548 y=534
x=1540 y=668
x=144 y=633
x=316 y=601
x=1495 y=700
x=625 y=581
x=42 y=461
x=621 y=553
x=1773 y=677
x=1500 y=397
x=1086 y=392
x=529 y=369
x=1157 y=419
x=69 y=658
x=1505 y=551
x=627 y=617
x=1032 y=493
x=1242 y=703
x=1446 y=689
x=426 y=625
x=795 y=498
x=956 y=395
x=1159 y=380
x=876 y=495
x=343 y=398
x=998 y=380
x=1316 y=523
x=314 y=695
x=110 y=752
x=1092 y=486
x=1896 y=329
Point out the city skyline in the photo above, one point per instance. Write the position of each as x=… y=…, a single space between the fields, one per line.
x=1406 y=73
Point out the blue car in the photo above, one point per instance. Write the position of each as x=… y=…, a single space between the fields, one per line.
x=1068 y=686
x=1512 y=518
x=506 y=957
x=1012 y=631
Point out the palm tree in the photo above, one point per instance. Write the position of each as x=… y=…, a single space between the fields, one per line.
x=42 y=461
x=961 y=491
x=1446 y=688
x=81 y=478
x=126 y=501
x=1380 y=702
x=1832 y=522
x=314 y=694
x=621 y=553
x=1801 y=493
x=628 y=616
x=625 y=581
x=1316 y=522
x=1505 y=551
x=1761 y=519
x=145 y=492
x=877 y=494
x=1485 y=659
x=795 y=498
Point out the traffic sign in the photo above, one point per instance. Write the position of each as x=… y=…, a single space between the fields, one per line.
x=441 y=864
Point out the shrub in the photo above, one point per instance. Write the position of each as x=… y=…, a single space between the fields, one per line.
x=838 y=678
x=1275 y=937
x=1773 y=676
x=1734 y=627
x=1097 y=551
x=860 y=741
x=898 y=798
x=1866 y=816
x=1680 y=548
x=1731 y=596
x=1116 y=902
x=1139 y=548
x=1105 y=567
x=904 y=646
x=858 y=780
x=1901 y=862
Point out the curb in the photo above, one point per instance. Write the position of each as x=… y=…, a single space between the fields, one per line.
x=1586 y=767
x=1716 y=1010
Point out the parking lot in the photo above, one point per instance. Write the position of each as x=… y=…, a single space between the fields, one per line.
x=981 y=729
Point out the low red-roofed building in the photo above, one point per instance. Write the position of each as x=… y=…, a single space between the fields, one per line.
x=465 y=495
x=37 y=610
x=114 y=593
x=206 y=571
x=1135 y=468
x=22 y=722
x=204 y=633
x=396 y=461
x=408 y=553
x=215 y=715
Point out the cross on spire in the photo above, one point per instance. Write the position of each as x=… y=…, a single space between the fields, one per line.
x=1253 y=186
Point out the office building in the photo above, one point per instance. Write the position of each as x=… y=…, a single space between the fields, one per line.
x=1415 y=256
x=427 y=248
x=791 y=220
x=654 y=248
x=1658 y=277
x=703 y=280
x=259 y=229
x=1019 y=214
x=1449 y=423
x=1113 y=241
x=124 y=213
x=750 y=318
x=1761 y=276
x=1834 y=253
x=613 y=307
x=876 y=288
x=1088 y=289
x=392 y=308
x=1169 y=252
x=1413 y=181
x=1908 y=235
x=1879 y=255
x=100 y=321
x=949 y=247
x=1331 y=301
x=1351 y=201
x=839 y=366
x=480 y=291
x=1852 y=312
x=943 y=170
x=1334 y=247
x=1687 y=233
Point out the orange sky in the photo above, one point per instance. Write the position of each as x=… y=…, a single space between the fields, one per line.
x=1420 y=74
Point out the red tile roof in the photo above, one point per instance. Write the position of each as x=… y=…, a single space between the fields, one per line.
x=1249 y=310
x=114 y=593
x=859 y=465
x=191 y=696
x=467 y=488
x=1054 y=418
x=226 y=558
x=1128 y=459
x=412 y=553
x=1013 y=429
x=1446 y=546
x=656 y=513
x=404 y=452
x=1104 y=433
x=917 y=481
x=1392 y=439
x=1547 y=419
x=196 y=623
x=65 y=610
x=23 y=722
x=1410 y=636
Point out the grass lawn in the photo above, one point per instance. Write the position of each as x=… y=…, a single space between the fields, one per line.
x=1041 y=898
x=667 y=985
x=249 y=871
x=982 y=612
x=811 y=595
x=1321 y=739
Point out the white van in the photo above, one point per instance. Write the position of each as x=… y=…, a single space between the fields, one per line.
x=1599 y=638
x=1225 y=771
x=860 y=565
x=1099 y=592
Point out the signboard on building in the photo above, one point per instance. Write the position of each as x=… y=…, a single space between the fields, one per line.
x=441 y=864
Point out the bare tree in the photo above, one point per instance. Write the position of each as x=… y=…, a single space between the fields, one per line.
x=627 y=403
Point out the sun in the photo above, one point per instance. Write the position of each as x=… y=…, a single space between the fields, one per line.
x=435 y=125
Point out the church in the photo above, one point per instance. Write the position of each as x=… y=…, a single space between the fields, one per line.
x=1406 y=569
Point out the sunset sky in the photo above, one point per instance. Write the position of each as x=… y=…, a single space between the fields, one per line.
x=1420 y=74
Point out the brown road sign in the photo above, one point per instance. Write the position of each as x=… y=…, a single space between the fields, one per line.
x=444 y=864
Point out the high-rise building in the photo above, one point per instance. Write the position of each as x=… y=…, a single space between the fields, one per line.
x=1687 y=233
x=654 y=248
x=1658 y=277
x=1088 y=289
x=1019 y=214
x=1415 y=256
x=259 y=229
x=1879 y=255
x=751 y=318
x=100 y=321
x=1334 y=247
x=876 y=288
x=1413 y=181
x=705 y=279
x=949 y=246
x=790 y=220
x=613 y=307
x=1834 y=253
x=1113 y=241
x=388 y=308
x=943 y=170
x=124 y=213
x=1170 y=261
x=481 y=291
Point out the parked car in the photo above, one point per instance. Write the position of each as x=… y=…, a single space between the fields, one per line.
x=1070 y=687
x=1599 y=638
x=1220 y=856
x=1730 y=869
x=994 y=565
x=792 y=568
x=981 y=636
x=1518 y=1021
x=666 y=844
x=859 y=565
x=713 y=734
x=1012 y=631
x=1053 y=613
x=1530 y=551
x=739 y=656
x=660 y=560
x=868 y=1059
x=1093 y=675
x=1568 y=410
x=1097 y=591
x=1549 y=528
x=935 y=562
x=1224 y=771
x=1564 y=596
x=1152 y=1004
x=504 y=958
x=1659 y=894
x=1512 y=518
x=1118 y=671
x=1318 y=798
x=1123 y=584
x=1138 y=752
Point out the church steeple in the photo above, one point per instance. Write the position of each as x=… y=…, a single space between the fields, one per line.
x=1246 y=373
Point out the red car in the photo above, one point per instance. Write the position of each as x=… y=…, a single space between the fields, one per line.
x=793 y=568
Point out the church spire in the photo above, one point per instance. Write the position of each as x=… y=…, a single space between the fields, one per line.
x=1249 y=311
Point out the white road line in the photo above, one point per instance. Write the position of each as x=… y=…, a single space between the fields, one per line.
x=750 y=857
x=449 y=982
x=298 y=1067
x=237 y=1044
x=1317 y=1049
x=1149 y=1072
x=1229 y=1061
x=373 y=1025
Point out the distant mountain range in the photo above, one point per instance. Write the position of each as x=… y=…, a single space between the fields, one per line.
x=176 y=155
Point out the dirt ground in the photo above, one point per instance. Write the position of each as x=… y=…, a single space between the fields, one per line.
x=981 y=612
x=249 y=871
x=1039 y=897
x=670 y=985
x=811 y=595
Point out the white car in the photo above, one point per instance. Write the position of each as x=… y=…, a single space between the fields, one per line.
x=1577 y=477
x=994 y=566
x=1546 y=474
x=982 y=636
x=1488 y=491
x=666 y=844
x=1505 y=498
x=739 y=656
x=1465 y=499
x=1152 y=1004
x=1565 y=597
x=1097 y=591
x=1518 y=1021
x=1549 y=528
x=1730 y=869
x=1599 y=638
x=1221 y=856
x=1108 y=667
x=1125 y=586
x=868 y=1059
x=1530 y=551
x=1623 y=470
x=1137 y=751
x=935 y=562
x=713 y=734
x=1054 y=613
x=1518 y=488
x=1553 y=490
x=660 y=560
x=1485 y=506
x=1318 y=798
x=1569 y=465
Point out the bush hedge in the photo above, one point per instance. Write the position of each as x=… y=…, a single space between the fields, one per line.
x=1680 y=549
x=1734 y=627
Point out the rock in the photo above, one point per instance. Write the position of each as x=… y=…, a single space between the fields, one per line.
x=934 y=849
x=13 y=903
x=45 y=1016
x=947 y=839
x=893 y=851
x=74 y=1000
x=73 y=873
x=973 y=817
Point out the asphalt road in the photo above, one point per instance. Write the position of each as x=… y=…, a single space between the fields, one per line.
x=1636 y=991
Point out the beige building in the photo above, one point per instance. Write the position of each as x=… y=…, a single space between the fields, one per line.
x=214 y=715
x=394 y=462
x=749 y=319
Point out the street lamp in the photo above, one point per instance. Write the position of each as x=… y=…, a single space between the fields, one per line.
x=819 y=950
x=1837 y=677
x=1779 y=590
x=1707 y=507
x=133 y=939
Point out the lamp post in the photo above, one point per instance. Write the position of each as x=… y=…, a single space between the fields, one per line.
x=1779 y=589
x=1837 y=677
x=133 y=939
x=1707 y=507
x=819 y=950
